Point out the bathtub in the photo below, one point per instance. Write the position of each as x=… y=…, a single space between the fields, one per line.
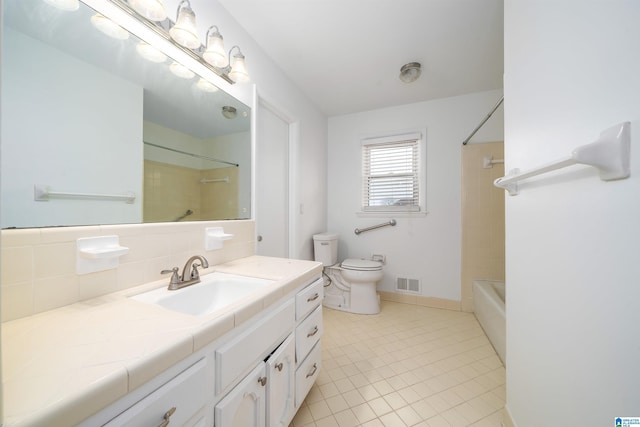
x=489 y=308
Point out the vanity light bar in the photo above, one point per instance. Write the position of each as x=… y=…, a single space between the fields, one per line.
x=156 y=34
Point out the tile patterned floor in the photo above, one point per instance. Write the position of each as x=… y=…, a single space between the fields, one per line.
x=407 y=366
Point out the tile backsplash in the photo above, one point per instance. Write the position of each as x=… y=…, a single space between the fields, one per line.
x=38 y=265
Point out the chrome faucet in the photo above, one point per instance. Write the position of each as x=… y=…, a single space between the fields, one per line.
x=190 y=274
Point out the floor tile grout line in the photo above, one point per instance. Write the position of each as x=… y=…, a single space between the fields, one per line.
x=454 y=330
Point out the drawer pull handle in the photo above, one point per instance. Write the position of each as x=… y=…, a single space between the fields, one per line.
x=166 y=417
x=262 y=381
x=313 y=371
x=312 y=333
x=313 y=298
x=279 y=367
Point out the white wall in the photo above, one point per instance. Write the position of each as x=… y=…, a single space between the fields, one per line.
x=572 y=240
x=67 y=138
x=425 y=247
x=271 y=83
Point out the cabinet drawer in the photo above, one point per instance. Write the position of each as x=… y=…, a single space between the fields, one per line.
x=308 y=333
x=186 y=392
x=307 y=373
x=234 y=358
x=309 y=298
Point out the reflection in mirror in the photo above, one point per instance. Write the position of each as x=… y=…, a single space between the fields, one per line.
x=86 y=115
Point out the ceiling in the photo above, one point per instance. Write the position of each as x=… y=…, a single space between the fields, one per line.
x=345 y=55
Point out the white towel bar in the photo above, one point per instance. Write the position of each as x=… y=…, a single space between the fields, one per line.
x=489 y=161
x=609 y=154
x=42 y=193
x=207 y=181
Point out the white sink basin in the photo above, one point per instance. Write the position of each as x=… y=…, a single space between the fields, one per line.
x=214 y=292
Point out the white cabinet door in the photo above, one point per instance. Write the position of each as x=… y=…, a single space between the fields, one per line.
x=281 y=367
x=244 y=406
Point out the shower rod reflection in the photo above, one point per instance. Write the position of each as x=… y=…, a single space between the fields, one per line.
x=373 y=227
x=198 y=156
x=184 y=215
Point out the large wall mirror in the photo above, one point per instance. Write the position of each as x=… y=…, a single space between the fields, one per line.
x=95 y=133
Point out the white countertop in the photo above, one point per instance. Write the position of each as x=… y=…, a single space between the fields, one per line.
x=62 y=366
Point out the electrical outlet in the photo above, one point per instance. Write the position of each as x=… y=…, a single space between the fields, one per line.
x=381 y=258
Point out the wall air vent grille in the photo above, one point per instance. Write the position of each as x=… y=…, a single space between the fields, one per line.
x=404 y=284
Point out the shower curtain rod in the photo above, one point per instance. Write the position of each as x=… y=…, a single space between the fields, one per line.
x=198 y=156
x=483 y=121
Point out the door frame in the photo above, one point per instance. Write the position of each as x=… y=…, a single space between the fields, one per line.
x=263 y=100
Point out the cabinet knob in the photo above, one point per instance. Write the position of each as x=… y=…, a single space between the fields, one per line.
x=313 y=332
x=262 y=381
x=166 y=417
x=279 y=367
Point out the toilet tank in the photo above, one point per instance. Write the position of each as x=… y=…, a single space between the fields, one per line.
x=325 y=248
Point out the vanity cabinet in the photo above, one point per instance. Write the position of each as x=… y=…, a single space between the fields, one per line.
x=258 y=374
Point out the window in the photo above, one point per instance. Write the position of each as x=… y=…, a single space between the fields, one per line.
x=391 y=174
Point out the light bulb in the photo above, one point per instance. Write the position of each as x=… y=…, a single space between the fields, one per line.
x=181 y=71
x=69 y=5
x=239 y=73
x=109 y=27
x=150 y=53
x=206 y=86
x=215 y=53
x=184 y=31
x=151 y=9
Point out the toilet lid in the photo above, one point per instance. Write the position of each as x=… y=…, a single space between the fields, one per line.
x=361 y=264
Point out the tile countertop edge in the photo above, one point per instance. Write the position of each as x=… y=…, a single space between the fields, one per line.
x=73 y=409
x=107 y=389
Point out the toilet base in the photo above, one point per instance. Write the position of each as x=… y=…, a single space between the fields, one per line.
x=337 y=302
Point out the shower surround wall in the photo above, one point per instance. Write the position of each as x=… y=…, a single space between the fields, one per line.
x=482 y=218
x=425 y=247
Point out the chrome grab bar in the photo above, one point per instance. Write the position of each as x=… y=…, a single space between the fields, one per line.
x=373 y=227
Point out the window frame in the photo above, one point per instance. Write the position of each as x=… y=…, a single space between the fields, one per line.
x=417 y=138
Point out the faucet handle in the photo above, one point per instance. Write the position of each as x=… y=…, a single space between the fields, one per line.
x=175 y=279
x=195 y=274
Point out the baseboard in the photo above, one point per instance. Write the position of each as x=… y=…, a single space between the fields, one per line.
x=432 y=302
x=507 y=421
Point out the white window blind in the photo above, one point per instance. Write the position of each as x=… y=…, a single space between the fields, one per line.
x=391 y=172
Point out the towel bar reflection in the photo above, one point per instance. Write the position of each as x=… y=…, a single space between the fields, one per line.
x=373 y=227
x=42 y=193
x=208 y=181
x=609 y=154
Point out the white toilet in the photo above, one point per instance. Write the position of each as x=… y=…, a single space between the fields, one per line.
x=351 y=284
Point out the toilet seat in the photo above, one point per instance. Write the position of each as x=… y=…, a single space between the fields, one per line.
x=361 y=264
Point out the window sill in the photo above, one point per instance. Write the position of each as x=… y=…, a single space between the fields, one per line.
x=391 y=214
